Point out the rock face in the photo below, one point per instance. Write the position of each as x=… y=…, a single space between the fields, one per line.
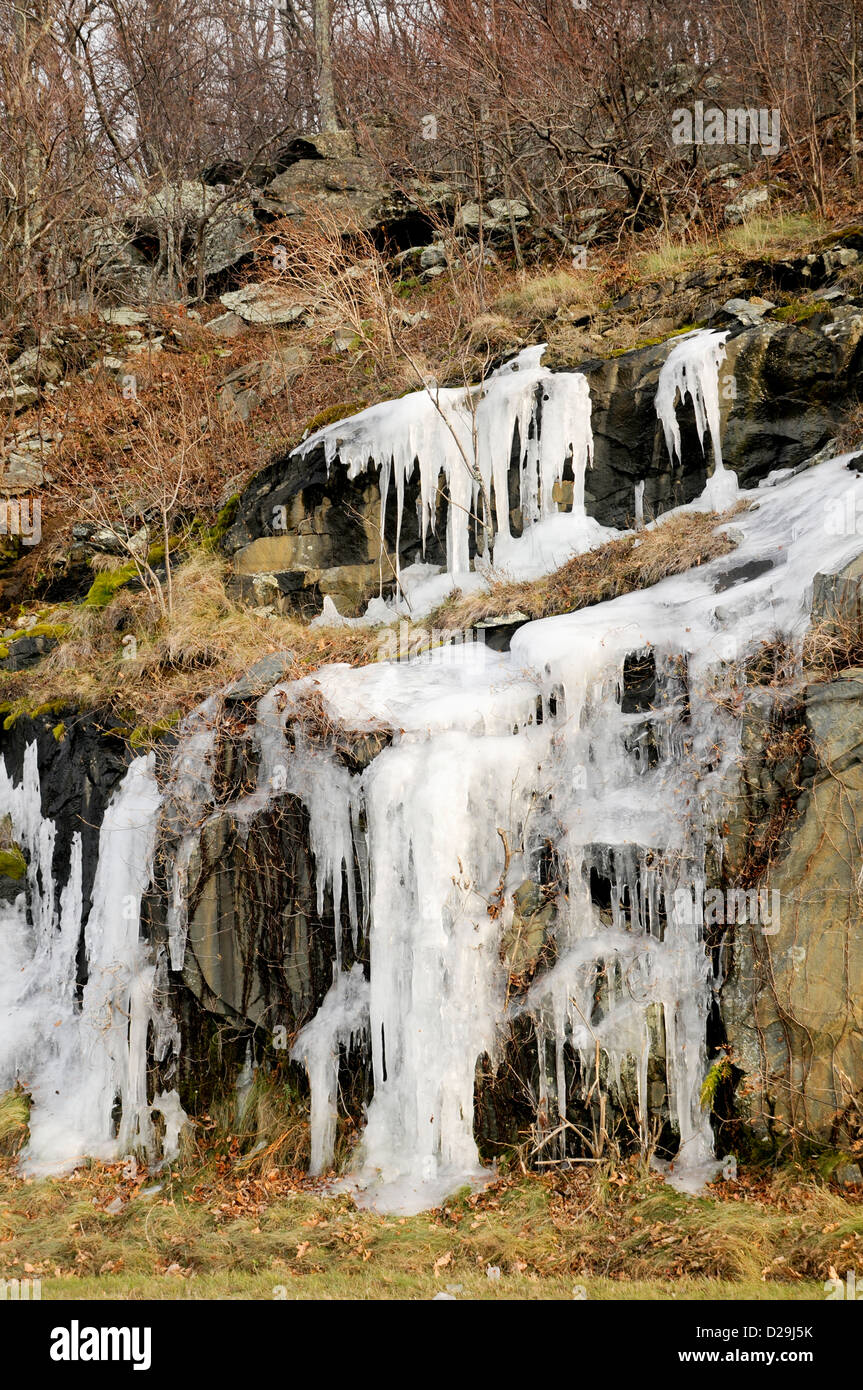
x=356 y=192
x=302 y=533
x=204 y=228
x=793 y=1007
x=258 y=949
x=78 y=774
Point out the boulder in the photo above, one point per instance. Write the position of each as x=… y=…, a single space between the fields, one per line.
x=261 y=677
x=243 y=390
x=175 y=214
x=20 y=472
x=741 y=207
x=495 y=217
x=793 y=1005
x=18 y=397
x=264 y=303
x=357 y=193
x=227 y=325
x=749 y=312
x=38 y=365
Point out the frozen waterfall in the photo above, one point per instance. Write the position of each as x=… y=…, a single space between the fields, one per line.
x=466 y=435
x=82 y=1054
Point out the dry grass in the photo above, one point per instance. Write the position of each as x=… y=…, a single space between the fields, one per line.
x=776 y=234
x=632 y=562
x=831 y=646
x=766 y=235
x=540 y=295
x=613 y=1230
x=208 y=641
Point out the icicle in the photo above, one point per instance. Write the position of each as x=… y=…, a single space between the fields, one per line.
x=245 y=1080
x=639 y=505
x=692 y=369
x=446 y=821
x=78 y=1066
x=467 y=434
x=188 y=801
x=341 y=1021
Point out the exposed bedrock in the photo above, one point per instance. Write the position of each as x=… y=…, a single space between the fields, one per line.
x=303 y=531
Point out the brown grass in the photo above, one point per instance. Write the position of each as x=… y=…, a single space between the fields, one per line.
x=633 y=562
x=609 y=1228
x=210 y=640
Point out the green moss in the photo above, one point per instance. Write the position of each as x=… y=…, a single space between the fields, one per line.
x=797 y=312
x=59 y=732
x=333 y=413
x=655 y=342
x=56 y=630
x=211 y=536
x=51 y=707
x=719 y=1072
x=855 y=229
x=12 y=863
x=13 y=710
x=106 y=584
x=16 y=708
x=407 y=285
x=145 y=734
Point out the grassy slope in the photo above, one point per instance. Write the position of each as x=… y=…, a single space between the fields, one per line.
x=107 y=439
x=617 y=1231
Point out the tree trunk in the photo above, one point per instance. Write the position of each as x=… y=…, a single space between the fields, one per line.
x=326 y=89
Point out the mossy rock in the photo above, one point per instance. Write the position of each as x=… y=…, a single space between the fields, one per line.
x=12 y=863
x=211 y=536
x=333 y=413
x=797 y=312
x=143 y=735
x=655 y=342
x=106 y=584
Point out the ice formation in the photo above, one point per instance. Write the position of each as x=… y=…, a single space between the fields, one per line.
x=459 y=808
x=692 y=369
x=591 y=761
x=84 y=1059
x=467 y=435
x=493 y=758
x=341 y=1022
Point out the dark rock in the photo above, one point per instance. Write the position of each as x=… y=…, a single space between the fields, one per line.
x=261 y=677
x=78 y=775
x=305 y=531
x=25 y=652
